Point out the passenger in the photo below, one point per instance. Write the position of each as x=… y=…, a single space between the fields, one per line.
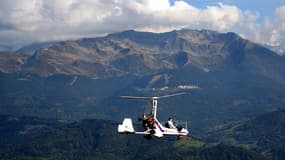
x=170 y=123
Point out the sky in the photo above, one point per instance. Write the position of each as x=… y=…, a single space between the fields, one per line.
x=23 y=22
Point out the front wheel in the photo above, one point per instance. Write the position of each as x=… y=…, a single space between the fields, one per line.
x=179 y=137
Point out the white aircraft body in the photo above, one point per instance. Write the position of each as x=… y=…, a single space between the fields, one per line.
x=151 y=124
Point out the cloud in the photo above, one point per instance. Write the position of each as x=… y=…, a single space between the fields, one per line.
x=269 y=31
x=279 y=27
x=26 y=21
x=19 y=14
x=182 y=14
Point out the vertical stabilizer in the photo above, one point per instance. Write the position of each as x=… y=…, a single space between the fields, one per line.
x=126 y=126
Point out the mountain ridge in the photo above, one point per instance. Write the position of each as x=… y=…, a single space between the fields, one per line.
x=151 y=53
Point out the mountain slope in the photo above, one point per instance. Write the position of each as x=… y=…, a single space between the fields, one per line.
x=264 y=133
x=10 y=62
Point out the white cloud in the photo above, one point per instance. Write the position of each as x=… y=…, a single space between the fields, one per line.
x=26 y=21
x=269 y=31
x=280 y=25
x=19 y=14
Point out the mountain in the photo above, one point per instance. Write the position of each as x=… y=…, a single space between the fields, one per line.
x=264 y=134
x=10 y=62
x=38 y=138
x=276 y=48
x=143 y=53
x=30 y=49
x=226 y=77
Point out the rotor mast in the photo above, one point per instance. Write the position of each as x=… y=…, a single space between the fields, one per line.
x=154 y=106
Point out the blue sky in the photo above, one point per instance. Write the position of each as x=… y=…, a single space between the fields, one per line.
x=23 y=22
x=263 y=7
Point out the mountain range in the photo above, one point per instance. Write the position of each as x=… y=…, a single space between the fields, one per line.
x=226 y=77
x=144 y=53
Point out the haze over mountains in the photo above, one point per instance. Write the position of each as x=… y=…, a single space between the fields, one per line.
x=78 y=79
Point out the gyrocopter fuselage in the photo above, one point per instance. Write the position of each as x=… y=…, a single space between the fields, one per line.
x=150 y=123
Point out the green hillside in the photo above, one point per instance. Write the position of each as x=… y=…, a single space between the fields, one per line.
x=35 y=138
x=264 y=134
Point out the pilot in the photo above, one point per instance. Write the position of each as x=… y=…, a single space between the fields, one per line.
x=148 y=122
x=170 y=123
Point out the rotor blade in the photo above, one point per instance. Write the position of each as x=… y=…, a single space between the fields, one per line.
x=134 y=97
x=171 y=95
x=151 y=98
